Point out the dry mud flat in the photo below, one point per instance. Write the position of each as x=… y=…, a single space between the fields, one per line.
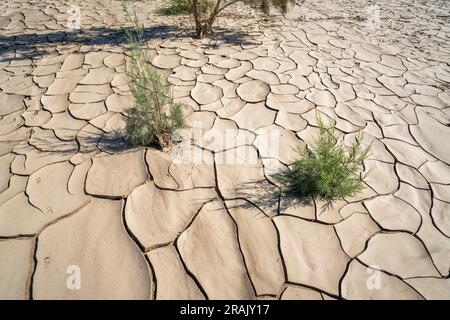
x=135 y=224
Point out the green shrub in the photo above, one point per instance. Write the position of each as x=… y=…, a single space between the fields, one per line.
x=205 y=12
x=155 y=116
x=177 y=7
x=327 y=170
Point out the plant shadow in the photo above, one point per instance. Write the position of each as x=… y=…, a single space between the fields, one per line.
x=36 y=46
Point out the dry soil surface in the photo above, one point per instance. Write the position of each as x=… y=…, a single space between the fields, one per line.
x=142 y=224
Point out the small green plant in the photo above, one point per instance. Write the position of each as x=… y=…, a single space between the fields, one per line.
x=155 y=116
x=327 y=170
x=177 y=8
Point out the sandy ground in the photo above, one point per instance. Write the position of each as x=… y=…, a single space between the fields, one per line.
x=83 y=216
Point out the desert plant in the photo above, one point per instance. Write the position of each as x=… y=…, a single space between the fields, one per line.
x=205 y=12
x=177 y=7
x=326 y=170
x=155 y=116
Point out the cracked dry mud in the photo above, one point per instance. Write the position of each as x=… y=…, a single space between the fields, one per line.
x=142 y=226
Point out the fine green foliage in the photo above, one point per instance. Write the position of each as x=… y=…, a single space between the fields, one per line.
x=327 y=170
x=177 y=7
x=281 y=5
x=155 y=116
x=205 y=12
